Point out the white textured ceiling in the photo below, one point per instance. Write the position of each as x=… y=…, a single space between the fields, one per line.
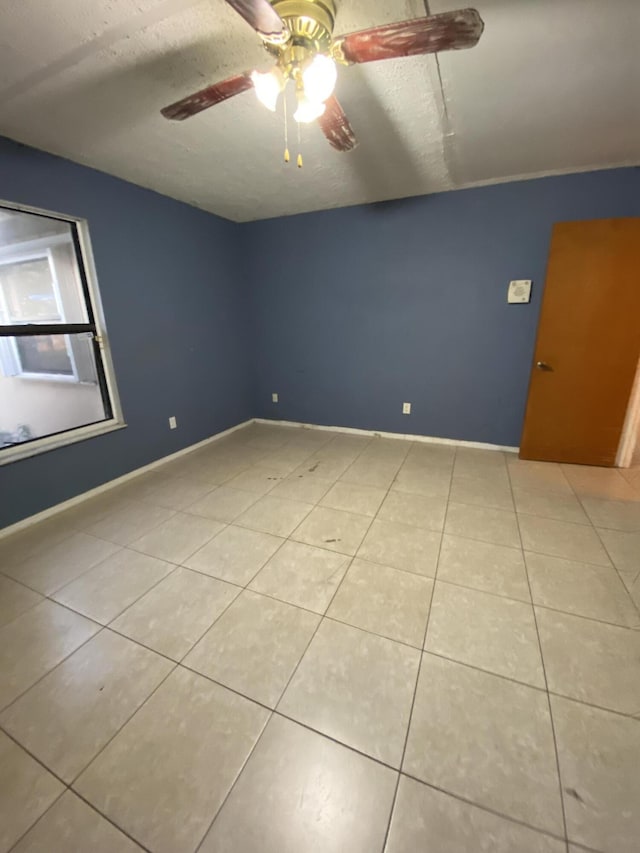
x=554 y=85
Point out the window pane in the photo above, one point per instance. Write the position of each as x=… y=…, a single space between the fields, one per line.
x=45 y=354
x=48 y=384
x=40 y=280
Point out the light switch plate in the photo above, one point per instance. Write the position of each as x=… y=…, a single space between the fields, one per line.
x=519 y=290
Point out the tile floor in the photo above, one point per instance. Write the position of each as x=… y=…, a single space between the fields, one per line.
x=296 y=640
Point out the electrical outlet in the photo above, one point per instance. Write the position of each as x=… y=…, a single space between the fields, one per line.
x=406 y=408
x=173 y=423
x=274 y=398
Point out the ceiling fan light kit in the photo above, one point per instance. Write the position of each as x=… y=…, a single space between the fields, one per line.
x=299 y=35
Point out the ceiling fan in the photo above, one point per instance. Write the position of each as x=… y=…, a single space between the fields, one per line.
x=299 y=35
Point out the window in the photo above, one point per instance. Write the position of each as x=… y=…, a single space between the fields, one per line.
x=56 y=379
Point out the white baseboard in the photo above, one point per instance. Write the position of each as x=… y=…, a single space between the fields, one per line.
x=427 y=439
x=111 y=484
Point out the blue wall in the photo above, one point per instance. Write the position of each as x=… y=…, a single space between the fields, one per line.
x=175 y=315
x=345 y=313
x=359 y=309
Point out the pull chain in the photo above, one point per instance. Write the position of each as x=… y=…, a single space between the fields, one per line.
x=286 y=128
x=299 y=161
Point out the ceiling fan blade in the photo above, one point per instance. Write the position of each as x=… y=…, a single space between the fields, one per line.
x=447 y=31
x=335 y=126
x=208 y=97
x=264 y=19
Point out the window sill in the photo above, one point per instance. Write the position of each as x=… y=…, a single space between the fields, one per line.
x=53 y=442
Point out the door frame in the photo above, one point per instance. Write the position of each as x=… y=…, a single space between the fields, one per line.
x=630 y=437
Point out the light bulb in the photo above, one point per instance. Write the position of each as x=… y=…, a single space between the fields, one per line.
x=319 y=78
x=308 y=110
x=268 y=86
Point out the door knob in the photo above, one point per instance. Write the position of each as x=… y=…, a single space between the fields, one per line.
x=542 y=365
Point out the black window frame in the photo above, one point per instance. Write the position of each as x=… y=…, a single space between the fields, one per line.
x=94 y=328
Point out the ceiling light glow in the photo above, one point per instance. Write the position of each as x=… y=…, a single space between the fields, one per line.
x=319 y=78
x=268 y=86
x=308 y=110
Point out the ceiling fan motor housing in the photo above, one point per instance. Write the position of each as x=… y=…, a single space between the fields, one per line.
x=310 y=22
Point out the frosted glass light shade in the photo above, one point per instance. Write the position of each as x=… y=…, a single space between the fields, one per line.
x=268 y=86
x=319 y=78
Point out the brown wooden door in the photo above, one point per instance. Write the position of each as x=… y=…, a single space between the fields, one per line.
x=588 y=343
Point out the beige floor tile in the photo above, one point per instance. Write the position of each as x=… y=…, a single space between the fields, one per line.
x=129 y=521
x=345 y=442
x=623 y=549
x=54 y=567
x=279 y=516
x=302 y=575
x=178 y=492
x=164 y=776
x=257 y=480
x=614 y=515
x=605 y=483
x=431 y=455
x=26 y=792
x=323 y=466
x=402 y=547
x=433 y=482
x=355 y=687
x=486 y=739
x=373 y=472
x=363 y=500
x=633 y=588
x=543 y=476
x=632 y=476
x=223 y=504
x=37 y=537
x=591 y=661
x=390 y=449
x=173 y=616
x=484 y=630
x=106 y=590
x=254 y=646
x=495 y=476
x=35 y=642
x=416 y=510
x=482 y=565
x=385 y=601
x=332 y=529
x=580 y=588
x=299 y=487
x=482 y=491
x=217 y=471
x=562 y=507
x=235 y=555
x=68 y=716
x=483 y=523
x=425 y=819
x=302 y=792
x=477 y=457
x=178 y=538
x=90 y=510
x=270 y=441
x=285 y=460
x=561 y=539
x=71 y=826
x=599 y=756
x=15 y=599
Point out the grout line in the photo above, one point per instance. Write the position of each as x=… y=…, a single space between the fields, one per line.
x=546 y=681
x=421 y=658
